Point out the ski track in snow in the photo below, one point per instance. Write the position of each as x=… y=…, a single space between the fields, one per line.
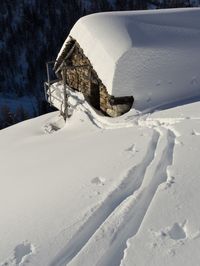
x=131 y=182
x=139 y=204
x=126 y=219
x=127 y=204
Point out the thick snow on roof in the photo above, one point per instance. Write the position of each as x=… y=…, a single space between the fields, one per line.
x=152 y=55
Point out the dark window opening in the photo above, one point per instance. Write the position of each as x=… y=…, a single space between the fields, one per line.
x=95 y=96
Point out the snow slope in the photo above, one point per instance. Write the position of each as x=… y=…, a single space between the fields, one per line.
x=101 y=191
x=152 y=55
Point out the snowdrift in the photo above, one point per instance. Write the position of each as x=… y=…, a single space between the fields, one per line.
x=151 y=55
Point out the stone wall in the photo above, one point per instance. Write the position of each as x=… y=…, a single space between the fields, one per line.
x=78 y=72
x=81 y=76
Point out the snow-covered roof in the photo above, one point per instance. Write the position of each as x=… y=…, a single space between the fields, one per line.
x=153 y=55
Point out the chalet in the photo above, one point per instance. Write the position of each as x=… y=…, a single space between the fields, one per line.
x=139 y=58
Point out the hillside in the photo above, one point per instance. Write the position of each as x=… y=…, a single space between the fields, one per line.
x=96 y=190
x=120 y=191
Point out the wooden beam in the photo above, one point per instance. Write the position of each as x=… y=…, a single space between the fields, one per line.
x=65 y=95
x=48 y=82
x=65 y=58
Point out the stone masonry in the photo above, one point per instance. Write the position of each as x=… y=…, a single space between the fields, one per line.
x=81 y=76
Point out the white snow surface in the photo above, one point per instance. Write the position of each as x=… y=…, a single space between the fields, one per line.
x=152 y=55
x=101 y=191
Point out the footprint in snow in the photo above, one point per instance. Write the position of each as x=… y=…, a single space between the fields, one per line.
x=177 y=232
x=50 y=128
x=20 y=255
x=22 y=251
x=98 y=181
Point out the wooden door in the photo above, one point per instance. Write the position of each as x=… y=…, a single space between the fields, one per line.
x=95 y=95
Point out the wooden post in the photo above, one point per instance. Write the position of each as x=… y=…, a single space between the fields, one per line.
x=65 y=96
x=90 y=78
x=48 y=82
